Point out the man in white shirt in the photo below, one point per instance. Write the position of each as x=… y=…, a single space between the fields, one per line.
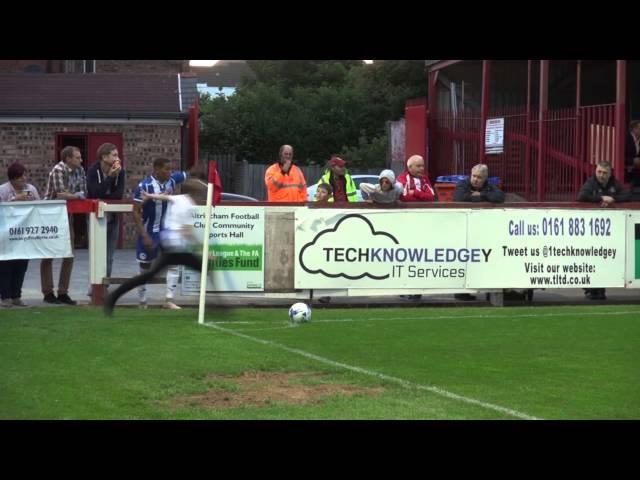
x=176 y=239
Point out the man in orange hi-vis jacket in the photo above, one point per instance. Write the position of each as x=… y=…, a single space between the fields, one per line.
x=285 y=182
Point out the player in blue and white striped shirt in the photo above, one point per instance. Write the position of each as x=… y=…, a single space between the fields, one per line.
x=149 y=219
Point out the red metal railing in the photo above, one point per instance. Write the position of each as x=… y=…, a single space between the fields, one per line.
x=454 y=143
x=574 y=140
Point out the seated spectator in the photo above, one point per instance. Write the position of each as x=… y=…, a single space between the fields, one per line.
x=416 y=188
x=632 y=155
x=604 y=189
x=12 y=271
x=386 y=191
x=415 y=184
x=324 y=193
x=477 y=188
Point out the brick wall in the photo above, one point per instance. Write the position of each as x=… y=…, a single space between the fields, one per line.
x=34 y=146
x=19 y=66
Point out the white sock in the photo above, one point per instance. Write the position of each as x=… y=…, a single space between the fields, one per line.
x=173 y=274
x=142 y=289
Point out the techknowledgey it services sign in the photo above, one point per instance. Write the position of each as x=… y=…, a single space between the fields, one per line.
x=383 y=249
x=440 y=249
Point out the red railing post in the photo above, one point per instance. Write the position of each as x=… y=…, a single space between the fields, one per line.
x=527 y=154
x=484 y=106
x=577 y=172
x=542 y=140
x=432 y=110
x=619 y=123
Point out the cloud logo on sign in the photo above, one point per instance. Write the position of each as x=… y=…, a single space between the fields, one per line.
x=352 y=230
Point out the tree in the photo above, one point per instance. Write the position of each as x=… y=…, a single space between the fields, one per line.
x=319 y=107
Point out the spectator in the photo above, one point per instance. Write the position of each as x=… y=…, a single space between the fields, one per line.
x=632 y=154
x=386 y=191
x=105 y=180
x=415 y=184
x=324 y=193
x=337 y=175
x=149 y=219
x=12 y=271
x=604 y=189
x=67 y=181
x=415 y=188
x=477 y=188
x=284 y=181
x=175 y=238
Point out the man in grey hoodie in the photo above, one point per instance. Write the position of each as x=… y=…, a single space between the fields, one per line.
x=386 y=191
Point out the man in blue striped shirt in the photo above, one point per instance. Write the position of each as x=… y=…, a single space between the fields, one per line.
x=149 y=219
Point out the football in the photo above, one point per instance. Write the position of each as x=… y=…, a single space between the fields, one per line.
x=299 y=313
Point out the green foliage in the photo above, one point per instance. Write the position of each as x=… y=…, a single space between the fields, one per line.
x=288 y=74
x=319 y=107
x=367 y=152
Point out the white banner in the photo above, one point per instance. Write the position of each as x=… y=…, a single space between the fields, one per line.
x=548 y=248
x=38 y=229
x=237 y=241
x=460 y=249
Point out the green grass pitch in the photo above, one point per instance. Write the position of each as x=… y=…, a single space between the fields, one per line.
x=399 y=363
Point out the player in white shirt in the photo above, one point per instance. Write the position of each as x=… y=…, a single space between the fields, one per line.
x=176 y=239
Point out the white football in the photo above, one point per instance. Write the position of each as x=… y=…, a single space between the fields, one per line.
x=300 y=313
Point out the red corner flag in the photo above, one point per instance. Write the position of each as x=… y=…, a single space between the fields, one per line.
x=215 y=179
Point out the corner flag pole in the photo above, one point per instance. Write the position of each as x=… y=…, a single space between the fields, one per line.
x=205 y=253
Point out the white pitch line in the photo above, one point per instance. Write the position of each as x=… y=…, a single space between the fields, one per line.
x=372 y=373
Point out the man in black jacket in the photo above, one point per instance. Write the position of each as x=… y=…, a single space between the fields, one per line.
x=477 y=188
x=632 y=154
x=105 y=180
x=602 y=188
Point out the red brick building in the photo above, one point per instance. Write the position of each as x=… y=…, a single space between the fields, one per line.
x=147 y=108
